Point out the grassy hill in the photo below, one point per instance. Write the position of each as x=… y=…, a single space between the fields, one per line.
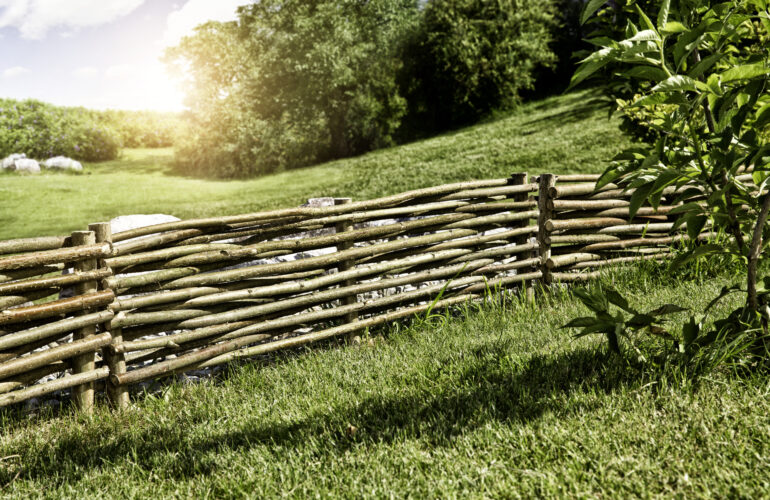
x=568 y=133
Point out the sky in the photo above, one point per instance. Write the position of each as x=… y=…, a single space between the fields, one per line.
x=98 y=53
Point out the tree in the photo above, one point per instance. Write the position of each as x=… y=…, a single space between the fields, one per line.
x=292 y=83
x=470 y=57
x=702 y=71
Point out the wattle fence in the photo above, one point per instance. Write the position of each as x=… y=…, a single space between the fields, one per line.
x=150 y=302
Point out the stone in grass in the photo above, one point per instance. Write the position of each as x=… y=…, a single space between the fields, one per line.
x=20 y=163
x=63 y=163
x=27 y=166
x=9 y=162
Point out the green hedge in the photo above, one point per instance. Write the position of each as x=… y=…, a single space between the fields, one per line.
x=42 y=130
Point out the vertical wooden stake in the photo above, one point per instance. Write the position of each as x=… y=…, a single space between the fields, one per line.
x=520 y=179
x=113 y=356
x=343 y=227
x=83 y=395
x=545 y=213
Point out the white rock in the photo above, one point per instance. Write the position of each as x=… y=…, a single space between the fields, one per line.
x=9 y=163
x=63 y=163
x=27 y=165
x=127 y=222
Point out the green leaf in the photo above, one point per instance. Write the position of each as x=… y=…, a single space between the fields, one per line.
x=675 y=83
x=645 y=36
x=744 y=72
x=644 y=19
x=590 y=8
x=673 y=28
x=687 y=207
x=594 y=300
x=704 y=66
x=762 y=116
x=637 y=199
x=665 y=5
x=591 y=65
x=647 y=73
x=695 y=224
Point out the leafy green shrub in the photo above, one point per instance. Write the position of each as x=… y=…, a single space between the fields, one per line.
x=470 y=57
x=705 y=72
x=41 y=130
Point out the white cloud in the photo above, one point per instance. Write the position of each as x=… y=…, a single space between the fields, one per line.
x=182 y=20
x=15 y=71
x=86 y=72
x=34 y=18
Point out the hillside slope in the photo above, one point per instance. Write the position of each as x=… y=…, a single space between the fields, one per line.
x=569 y=133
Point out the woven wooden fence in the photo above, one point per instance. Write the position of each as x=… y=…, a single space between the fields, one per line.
x=192 y=294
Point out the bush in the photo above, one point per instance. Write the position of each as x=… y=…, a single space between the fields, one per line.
x=470 y=57
x=41 y=130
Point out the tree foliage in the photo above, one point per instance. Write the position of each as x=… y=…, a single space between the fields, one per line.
x=470 y=57
x=292 y=83
x=702 y=71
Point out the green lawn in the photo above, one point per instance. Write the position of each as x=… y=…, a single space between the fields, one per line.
x=497 y=402
x=568 y=133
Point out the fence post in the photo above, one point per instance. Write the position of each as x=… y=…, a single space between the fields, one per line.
x=83 y=395
x=545 y=214
x=521 y=178
x=113 y=356
x=343 y=227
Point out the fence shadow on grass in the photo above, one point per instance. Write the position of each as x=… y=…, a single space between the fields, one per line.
x=478 y=389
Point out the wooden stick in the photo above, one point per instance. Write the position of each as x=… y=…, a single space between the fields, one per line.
x=63 y=306
x=11 y=384
x=316 y=283
x=547 y=182
x=53 y=282
x=49 y=330
x=33 y=244
x=55 y=256
x=83 y=395
x=557 y=225
x=129 y=260
x=53 y=386
x=566 y=260
x=61 y=352
x=620 y=260
x=16 y=300
x=29 y=273
x=489 y=192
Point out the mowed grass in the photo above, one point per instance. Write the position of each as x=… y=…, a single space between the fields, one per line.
x=494 y=402
x=569 y=133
